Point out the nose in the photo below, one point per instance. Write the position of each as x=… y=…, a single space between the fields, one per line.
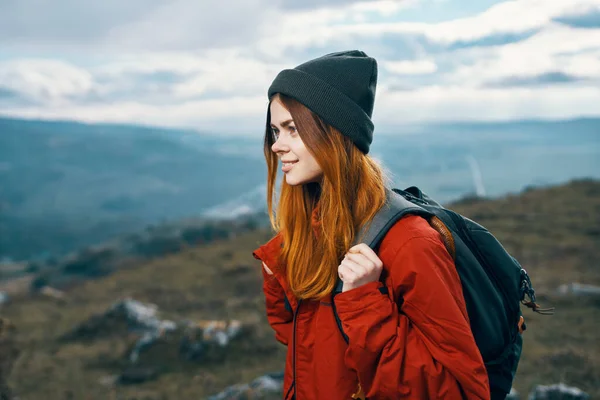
x=280 y=145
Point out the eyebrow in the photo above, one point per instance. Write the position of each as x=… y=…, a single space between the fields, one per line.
x=284 y=123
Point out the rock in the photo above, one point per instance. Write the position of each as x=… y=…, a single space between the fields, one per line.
x=222 y=332
x=272 y=383
x=558 y=392
x=53 y=293
x=159 y=343
x=513 y=395
x=140 y=316
x=203 y=339
x=579 y=289
x=122 y=317
x=264 y=386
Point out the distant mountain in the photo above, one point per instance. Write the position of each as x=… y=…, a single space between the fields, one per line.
x=66 y=185
x=450 y=161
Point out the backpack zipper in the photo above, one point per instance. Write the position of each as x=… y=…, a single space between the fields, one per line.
x=414 y=199
x=526 y=286
x=527 y=290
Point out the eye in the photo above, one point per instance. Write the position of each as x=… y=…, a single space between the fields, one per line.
x=275 y=133
x=292 y=129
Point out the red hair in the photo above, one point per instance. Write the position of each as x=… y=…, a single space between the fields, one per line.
x=351 y=192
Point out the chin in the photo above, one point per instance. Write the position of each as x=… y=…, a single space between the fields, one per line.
x=295 y=181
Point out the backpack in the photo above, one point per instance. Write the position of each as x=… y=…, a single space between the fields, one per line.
x=494 y=283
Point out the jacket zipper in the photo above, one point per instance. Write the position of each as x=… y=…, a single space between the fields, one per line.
x=294 y=385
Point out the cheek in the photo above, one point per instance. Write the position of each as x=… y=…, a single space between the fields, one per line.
x=314 y=166
x=310 y=163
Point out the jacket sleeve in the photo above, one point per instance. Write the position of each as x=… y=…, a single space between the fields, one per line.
x=425 y=349
x=279 y=316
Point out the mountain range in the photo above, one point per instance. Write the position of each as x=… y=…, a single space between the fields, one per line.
x=66 y=185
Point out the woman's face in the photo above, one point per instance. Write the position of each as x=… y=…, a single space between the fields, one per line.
x=298 y=165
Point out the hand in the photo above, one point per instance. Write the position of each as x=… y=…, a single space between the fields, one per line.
x=359 y=267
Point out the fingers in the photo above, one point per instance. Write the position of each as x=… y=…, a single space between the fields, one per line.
x=367 y=252
x=352 y=270
x=362 y=260
x=360 y=266
x=348 y=275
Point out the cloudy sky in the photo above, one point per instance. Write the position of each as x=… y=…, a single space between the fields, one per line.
x=207 y=64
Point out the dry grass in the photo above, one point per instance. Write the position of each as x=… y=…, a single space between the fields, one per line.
x=555 y=235
x=216 y=282
x=554 y=232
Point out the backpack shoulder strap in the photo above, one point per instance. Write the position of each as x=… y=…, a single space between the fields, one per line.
x=396 y=207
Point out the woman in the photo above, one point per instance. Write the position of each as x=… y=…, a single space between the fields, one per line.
x=402 y=307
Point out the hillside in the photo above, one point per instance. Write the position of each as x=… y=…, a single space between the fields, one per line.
x=553 y=231
x=68 y=185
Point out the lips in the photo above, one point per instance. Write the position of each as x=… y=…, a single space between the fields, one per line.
x=287 y=166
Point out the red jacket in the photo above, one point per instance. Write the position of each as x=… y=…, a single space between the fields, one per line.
x=413 y=343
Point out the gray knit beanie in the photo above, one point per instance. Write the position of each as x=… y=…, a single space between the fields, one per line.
x=339 y=87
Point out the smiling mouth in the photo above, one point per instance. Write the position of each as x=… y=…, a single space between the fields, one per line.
x=287 y=166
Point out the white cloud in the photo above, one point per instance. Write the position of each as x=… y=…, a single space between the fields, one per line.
x=233 y=115
x=316 y=28
x=140 y=25
x=49 y=81
x=507 y=17
x=410 y=67
x=382 y=7
x=233 y=74
x=453 y=103
x=557 y=48
x=191 y=25
x=245 y=115
x=309 y=29
x=531 y=67
x=44 y=24
x=138 y=78
x=227 y=71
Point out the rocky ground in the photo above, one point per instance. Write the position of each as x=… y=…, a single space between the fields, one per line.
x=191 y=324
